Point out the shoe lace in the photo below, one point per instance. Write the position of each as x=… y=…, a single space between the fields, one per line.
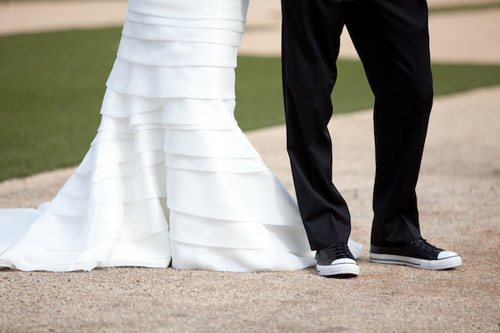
x=424 y=245
x=339 y=250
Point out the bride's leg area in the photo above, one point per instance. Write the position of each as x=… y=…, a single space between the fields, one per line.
x=168 y=137
x=227 y=210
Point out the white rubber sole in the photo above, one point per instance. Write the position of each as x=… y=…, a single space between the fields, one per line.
x=339 y=269
x=391 y=259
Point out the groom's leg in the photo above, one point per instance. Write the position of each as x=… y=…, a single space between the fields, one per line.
x=392 y=40
x=311 y=33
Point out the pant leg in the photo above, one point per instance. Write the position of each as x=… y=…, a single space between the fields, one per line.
x=391 y=37
x=311 y=39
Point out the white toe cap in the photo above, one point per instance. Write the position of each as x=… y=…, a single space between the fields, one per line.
x=446 y=254
x=344 y=261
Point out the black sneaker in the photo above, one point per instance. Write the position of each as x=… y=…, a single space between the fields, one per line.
x=336 y=261
x=417 y=253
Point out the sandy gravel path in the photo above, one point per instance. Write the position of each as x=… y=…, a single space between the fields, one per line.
x=39 y=16
x=465 y=36
x=459 y=203
x=468 y=36
x=459 y=194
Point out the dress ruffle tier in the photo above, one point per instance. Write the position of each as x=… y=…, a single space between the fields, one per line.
x=169 y=177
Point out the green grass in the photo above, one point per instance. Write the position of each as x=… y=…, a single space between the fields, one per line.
x=50 y=90
x=51 y=87
x=465 y=7
x=259 y=101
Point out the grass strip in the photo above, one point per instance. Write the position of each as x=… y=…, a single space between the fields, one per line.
x=462 y=8
x=51 y=87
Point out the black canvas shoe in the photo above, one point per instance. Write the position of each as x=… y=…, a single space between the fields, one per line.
x=417 y=253
x=336 y=261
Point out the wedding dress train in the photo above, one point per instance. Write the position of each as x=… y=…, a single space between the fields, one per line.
x=169 y=177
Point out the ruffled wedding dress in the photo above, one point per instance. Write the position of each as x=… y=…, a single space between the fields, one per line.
x=170 y=177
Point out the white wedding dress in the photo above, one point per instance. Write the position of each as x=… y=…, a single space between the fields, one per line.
x=169 y=177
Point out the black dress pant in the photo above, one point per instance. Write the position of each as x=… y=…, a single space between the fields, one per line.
x=391 y=38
